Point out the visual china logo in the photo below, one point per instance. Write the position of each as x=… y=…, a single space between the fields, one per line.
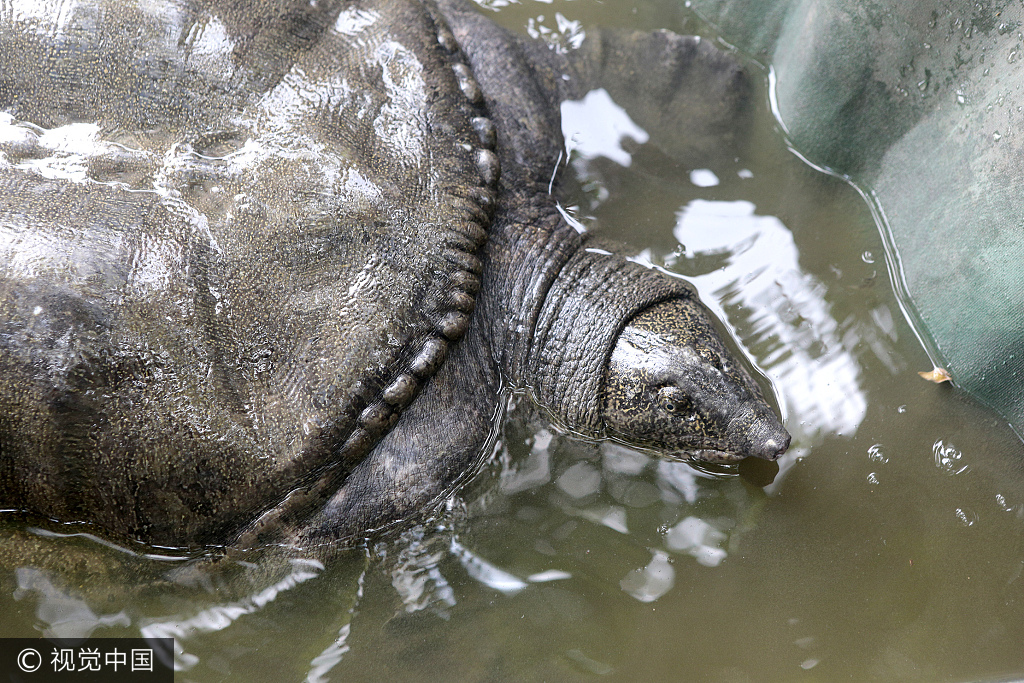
x=111 y=660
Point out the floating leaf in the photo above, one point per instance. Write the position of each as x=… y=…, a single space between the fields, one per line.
x=937 y=375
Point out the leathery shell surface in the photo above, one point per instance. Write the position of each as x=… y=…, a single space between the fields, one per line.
x=235 y=240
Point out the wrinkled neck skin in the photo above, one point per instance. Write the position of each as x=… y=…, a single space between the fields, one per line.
x=558 y=313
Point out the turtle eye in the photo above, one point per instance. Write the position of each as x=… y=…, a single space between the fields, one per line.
x=673 y=400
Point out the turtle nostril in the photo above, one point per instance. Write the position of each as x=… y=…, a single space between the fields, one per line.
x=773 y=448
x=772 y=443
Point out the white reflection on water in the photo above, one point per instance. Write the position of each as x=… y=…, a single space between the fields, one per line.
x=649 y=583
x=352 y=21
x=580 y=480
x=678 y=478
x=62 y=615
x=697 y=538
x=567 y=34
x=595 y=127
x=534 y=471
x=805 y=354
x=60 y=153
x=703 y=177
x=487 y=573
x=322 y=665
x=220 y=617
x=211 y=48
x=416 y=576
x=497 y=578
x=610 y=516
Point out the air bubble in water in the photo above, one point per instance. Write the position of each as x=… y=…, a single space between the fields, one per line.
x=947 y=458
x=966 y=517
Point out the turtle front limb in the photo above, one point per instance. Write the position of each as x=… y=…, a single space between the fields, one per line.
x=437 y=444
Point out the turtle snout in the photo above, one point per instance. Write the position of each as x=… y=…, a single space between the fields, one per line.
x=772 y=448
x=767 y=438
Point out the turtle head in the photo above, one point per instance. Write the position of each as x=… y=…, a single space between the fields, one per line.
x=671 y=384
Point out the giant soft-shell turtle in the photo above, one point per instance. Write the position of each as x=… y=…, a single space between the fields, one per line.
x=262 y=280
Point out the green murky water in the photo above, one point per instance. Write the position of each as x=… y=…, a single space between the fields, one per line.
x=888 y=546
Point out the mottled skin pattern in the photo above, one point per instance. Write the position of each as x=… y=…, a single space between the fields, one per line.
x=671 y=378
x=225 y=324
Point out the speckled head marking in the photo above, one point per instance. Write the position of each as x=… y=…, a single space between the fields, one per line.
x=672 y=384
